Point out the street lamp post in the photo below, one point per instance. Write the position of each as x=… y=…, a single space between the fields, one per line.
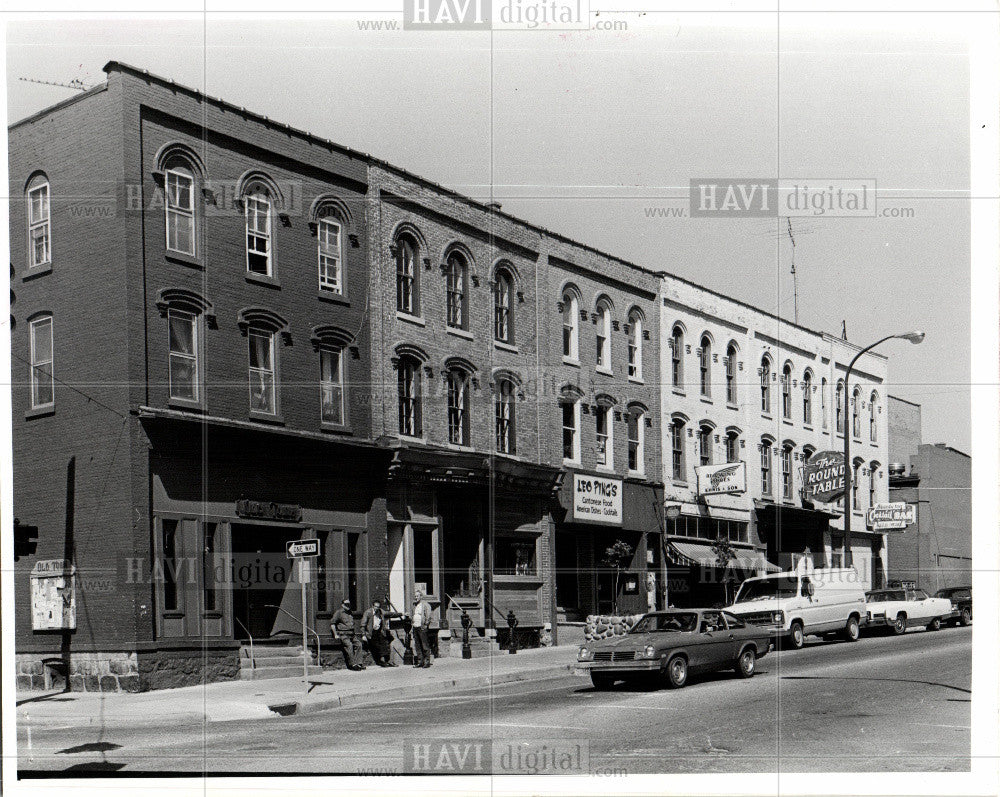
x=913 y=337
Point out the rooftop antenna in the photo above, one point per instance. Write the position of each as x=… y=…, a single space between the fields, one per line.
x=795 y=287
x=75 y=83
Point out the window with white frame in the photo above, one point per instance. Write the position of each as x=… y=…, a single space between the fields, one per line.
x=765 y=466
x=41 y=357
x=406 y=276
x=603 y=348
x=183 y=371
x=822 y=401
x=872 y=483
x=676 y=357
x=765 y=386
x=39 y=225
x=503 y=310
x=258 y=210
x=677 y=449
x=732 y=446
x=457 y=276
x=635 y=345
x=855 y=478
x=705 y=445
x=331 y=385
x=505 y=406
x=807 y=406
x=458 y=407
x=705 y=367
x=262 y=371
x=571 y=430
x=786 y=472
x=636 y=440
x=409 y=396
x=605 y=436
x=856 y=413
x=731 y=389
x=786 y=392
x=841 y=399
x=331 y=256
x=179 y=209
x=873 y=417
x=571 y=328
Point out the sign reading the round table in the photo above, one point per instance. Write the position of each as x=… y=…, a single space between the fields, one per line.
x=823 y=477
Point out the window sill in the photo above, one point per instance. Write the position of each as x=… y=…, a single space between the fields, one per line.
x=410 y=319
x=266 y=418
x=636 y=380
x=336 y=428
x=459 y=333
x=678 y=391
x=605 y=468
x=573 y=462
x=36 y=271
x=503 y=346
x=406 y=438
x=570 y=361
x=786 y=421
x=212 y=614
x=40 y=412
x=636 y=474
x=186 y=404
x=767 y=416
x=601 y=369
x=262 y=279
x=333 y=298
x=808 y=427
x=457 y=447
x=706 y=400
x=184 y=259
x=172 y=614
x=731 y=406
x=680 y=483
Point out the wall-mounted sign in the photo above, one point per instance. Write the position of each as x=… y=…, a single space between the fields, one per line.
x=891 y=517
x=823 y=477
x=53 y=595
x=722 y=479
x=268 y=510
x=597 y=500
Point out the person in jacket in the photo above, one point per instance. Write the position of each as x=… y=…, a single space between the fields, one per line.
x=421 y=626
x=342 y=628
x=375 y=633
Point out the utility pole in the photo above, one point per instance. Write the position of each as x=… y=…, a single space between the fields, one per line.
x=795 y=287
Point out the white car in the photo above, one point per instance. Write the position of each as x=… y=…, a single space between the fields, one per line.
x=899 y=609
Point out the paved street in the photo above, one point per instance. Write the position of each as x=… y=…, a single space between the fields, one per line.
x=882 y=704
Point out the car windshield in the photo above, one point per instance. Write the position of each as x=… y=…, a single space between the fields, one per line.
x=766 y=588
x=882 y=597
x=672 y=621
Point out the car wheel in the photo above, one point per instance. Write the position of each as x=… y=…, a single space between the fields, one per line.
x=746 y=664
x=677 y=672
x=934 y=625
x=899 y=624
x=601 y=680
x=796 y=636
x=852 y=630
x=965 y=618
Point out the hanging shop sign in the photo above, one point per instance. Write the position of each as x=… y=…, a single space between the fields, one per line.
x=823 y=477
x=891 y=517
x=597 y=500
x=53 y=595
x=722 y=479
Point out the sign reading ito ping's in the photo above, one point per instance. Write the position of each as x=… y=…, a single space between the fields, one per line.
x=596 y=499
x=823 y=477
x=722 y=479
x=891 y=517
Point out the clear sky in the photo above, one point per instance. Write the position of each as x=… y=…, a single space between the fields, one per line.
x=585 y=132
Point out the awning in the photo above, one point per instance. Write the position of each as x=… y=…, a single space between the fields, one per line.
x=695 y=554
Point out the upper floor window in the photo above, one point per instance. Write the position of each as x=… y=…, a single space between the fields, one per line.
x=855 y=478
x=840 y=407
x=786 y=391
x=786 y=472
x=705 y=367
x=183 y=370
x=677 y=449
x=262 y=371
x=603 y=335
x=765 y=466
x=409 y=397
x=873 y=417
x=503 y=307
x=635 y=345
x=571 y=430
x=822 y=401
x=41 y=357
x=732 y=446
x=406 y=276
x=676 y=357
x=457 y=279
x=39 y=224
x=179 y=208
x=807 y=406
x=504 y=409
x=331 y=385
x=636 y=440
x=765 y=386
x=259 y=211
x=331 y=256
x=705 y=445
x=458 y=407
x=605 y=435
x=856 y=413
x=571 y=325
x=872 y=482
x=731 y=390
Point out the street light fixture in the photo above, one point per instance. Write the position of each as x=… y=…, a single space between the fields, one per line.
x=914 y=337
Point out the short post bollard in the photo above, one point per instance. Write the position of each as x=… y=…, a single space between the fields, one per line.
x=466 y=625
x=512 y=623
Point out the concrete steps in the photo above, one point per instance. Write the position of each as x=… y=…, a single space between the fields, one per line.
x=275 y=661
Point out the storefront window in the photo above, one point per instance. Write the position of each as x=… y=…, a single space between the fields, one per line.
x=169 y=542
x=208 y=566
x=710 y=528
x=423 y=560
x=514 y=557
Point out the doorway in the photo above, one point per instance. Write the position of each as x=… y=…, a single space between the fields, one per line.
x=260 y=574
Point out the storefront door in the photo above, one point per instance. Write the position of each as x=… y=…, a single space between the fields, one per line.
x=261 y=573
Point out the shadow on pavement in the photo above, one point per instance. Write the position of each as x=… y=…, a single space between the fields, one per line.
x=891 y=680
x=90 y=747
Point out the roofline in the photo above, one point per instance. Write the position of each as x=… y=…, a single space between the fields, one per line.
x=905 y=401
x=59 y=105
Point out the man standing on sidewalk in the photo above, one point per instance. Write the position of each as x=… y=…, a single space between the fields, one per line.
x=375 y=632
x=342 y=627
x=421 y=639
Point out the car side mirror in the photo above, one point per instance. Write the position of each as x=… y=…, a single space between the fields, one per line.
x=809 y=589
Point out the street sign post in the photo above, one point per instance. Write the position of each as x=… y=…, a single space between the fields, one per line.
x=302 y=551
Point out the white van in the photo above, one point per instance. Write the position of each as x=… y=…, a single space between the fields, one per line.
x=810 y=601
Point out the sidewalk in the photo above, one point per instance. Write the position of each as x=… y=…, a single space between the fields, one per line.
x=236 y=700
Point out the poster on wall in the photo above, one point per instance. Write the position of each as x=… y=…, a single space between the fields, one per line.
x=597 y=500
x=53 y=595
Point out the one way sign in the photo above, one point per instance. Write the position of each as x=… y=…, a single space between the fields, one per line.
x=299 y=548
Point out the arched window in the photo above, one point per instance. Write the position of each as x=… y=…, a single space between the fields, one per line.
x=39 y=222
x=179 y=206
x=183 y=372
x=41 y=358
x=807 y=402
x=458 y=407
x=503 y=307
x=786 y=391
x=855 y=478
x=822 y=401
x=786 y=471
x=635 y=345
x=571 y=325
x=457 y=288
x=605 y=431
x=731 y=390
x=330 y=254
x=840 y=406
x=258 y=207
x=765 y=385
x=570 y=406
x=873 y=417
x=765 y=465
x=856 y=413
x=705 y=366
x=504 y=411
x=603 y=335
x=732 y=446
x=705 y=445
x=407 y=279
x=262 y=371
x=410 y=397
x=677 y=449
x=331 y=384
x=636 y=440
x=872 y=483
x=677 y=357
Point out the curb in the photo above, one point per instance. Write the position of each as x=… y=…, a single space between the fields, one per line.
x=327 y=703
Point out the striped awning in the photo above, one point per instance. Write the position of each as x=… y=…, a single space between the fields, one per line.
x=698 y=554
